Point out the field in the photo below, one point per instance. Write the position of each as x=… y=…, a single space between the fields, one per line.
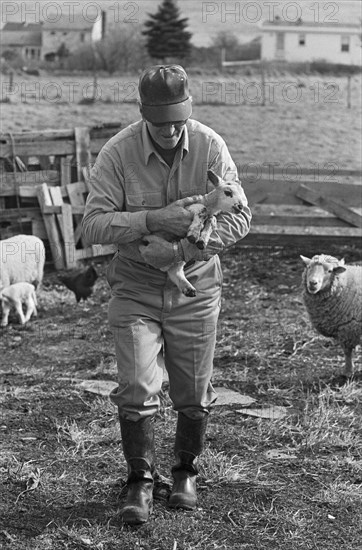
x=291 y=480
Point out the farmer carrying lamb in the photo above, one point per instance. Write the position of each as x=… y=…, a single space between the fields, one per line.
x=143 y=183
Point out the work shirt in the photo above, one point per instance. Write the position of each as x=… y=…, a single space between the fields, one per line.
x=130 y=178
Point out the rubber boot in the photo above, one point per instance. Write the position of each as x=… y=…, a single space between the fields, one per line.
x=190 y=436
x=138 y=449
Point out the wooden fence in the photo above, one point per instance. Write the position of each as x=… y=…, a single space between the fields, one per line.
x=43 y=187
x=304 y=204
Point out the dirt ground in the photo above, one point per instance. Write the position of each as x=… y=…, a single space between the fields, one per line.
x=288 y=483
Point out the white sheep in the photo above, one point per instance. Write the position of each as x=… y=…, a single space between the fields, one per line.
x=22 y=259
x=333 y=298
x=16 y=295
x=226 y=197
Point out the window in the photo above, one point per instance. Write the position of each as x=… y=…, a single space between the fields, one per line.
x=302 y=40
x=82 y=36
x=65 y=33
x=345 y=44
x=53 y=33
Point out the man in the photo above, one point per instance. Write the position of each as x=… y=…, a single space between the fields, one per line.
x=140 y=184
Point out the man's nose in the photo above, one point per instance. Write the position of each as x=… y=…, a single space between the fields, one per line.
x=169 y=129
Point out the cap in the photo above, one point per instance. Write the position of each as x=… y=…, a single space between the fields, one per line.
x=164 y=94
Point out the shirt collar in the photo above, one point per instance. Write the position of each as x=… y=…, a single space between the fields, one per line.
x=149 y=148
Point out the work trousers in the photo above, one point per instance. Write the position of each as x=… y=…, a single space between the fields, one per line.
x=155 y=327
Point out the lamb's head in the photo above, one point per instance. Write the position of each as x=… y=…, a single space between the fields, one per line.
x=320 y=272
x=226 y=197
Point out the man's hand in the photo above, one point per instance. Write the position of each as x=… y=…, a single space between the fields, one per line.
x=173 y=219
x=157 y=252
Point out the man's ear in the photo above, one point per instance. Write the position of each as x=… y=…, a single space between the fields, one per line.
x=140 y=108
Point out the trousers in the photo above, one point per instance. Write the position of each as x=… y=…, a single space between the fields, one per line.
x=156 y=327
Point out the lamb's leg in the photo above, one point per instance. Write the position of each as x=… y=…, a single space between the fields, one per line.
x=19 y=311
x=30 y=309
x=348 y=365
x=209 y=226
x=6 y=310
x=177 y=276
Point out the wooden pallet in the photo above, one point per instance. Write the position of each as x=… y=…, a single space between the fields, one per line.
x=62 y=209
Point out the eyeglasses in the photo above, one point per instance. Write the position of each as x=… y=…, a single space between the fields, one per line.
x=176 y=123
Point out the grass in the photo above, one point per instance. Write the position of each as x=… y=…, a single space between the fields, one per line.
x=293 y=483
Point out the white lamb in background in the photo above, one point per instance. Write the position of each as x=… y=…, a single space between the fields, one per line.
x=226 y=197
x=22 y=259
x=15 y=296
x=333 y=298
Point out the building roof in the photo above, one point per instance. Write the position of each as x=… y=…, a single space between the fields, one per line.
x=313 y=26
x=67 y=23
x=20 y=34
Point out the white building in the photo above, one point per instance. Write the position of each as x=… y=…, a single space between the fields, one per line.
x=307 y=41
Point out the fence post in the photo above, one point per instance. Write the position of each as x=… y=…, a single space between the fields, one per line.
x=349 y=91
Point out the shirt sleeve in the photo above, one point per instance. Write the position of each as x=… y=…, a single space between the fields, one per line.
x=105 y=220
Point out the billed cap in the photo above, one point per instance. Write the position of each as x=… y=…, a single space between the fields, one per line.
x=164 y=94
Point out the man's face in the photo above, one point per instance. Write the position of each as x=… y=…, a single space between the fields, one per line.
x=166 y=135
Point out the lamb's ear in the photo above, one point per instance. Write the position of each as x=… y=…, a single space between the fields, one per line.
x=339 y=269
x=214 y=178
x=341 y=262
x=305 y=260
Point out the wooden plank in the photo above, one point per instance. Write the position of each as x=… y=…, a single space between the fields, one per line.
x=65 y=170
x=83 y=153
x=55 y=243
x=66 y=147
x=329 y=204
x=285 y=193
x=8 y=180
x=76 y=198
x=310 y=230
x=280 y=214
x=246 y=170
x=22 y=214
x=68 y=236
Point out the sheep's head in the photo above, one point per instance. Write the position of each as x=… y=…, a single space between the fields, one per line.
x=319 y=272
x=227 y=196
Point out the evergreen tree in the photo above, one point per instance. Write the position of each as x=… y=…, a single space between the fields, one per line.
x=166 y=38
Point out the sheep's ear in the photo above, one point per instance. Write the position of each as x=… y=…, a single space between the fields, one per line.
x=305 y=260
x=339 y=269
x=214 y=178
x=341 y=262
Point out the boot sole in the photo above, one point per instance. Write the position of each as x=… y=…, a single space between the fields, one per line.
x=130 y=517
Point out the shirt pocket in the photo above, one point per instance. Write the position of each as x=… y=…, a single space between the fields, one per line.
x=143 y=201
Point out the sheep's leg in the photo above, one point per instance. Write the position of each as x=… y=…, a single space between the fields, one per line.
x=348 y=365
x=6 y=310
x=177 y=275
x=209 y=226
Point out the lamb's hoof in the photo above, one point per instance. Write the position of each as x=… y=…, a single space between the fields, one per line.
x=190 y=292
x=339 y=380
x=200 y=245
x=191 y=239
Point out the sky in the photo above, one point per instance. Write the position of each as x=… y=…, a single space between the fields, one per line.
x=205 y=18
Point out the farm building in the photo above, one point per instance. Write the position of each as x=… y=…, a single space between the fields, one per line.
x=304 y=41
x=38 y=41
x=23 y=39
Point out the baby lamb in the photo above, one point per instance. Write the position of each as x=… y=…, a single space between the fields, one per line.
x=226 y=197
x=15 y=296
x=333 y=299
